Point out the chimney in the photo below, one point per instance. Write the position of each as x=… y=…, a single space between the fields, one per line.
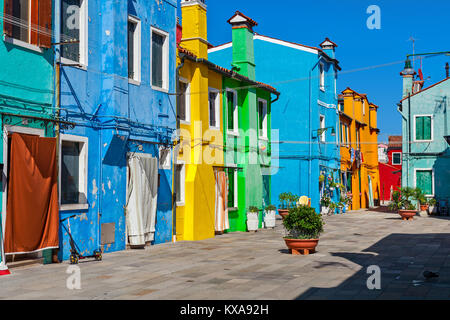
x=408 y=74
x=447 y=75
x=328 y=47
x=243 y=50
x=194 y=29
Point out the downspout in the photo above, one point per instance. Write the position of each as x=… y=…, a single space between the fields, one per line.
x=310 y=136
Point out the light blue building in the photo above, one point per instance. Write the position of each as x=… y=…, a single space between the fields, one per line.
x=306 y=78
x=425 y=124
x=117 y=75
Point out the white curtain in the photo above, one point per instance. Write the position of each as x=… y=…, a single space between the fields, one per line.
x=142 y=197
x=221 y=214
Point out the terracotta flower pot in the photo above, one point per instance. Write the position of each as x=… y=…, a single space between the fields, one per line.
x=302 y=246
x=423 y=207
x=283 y=213
x=407 y=214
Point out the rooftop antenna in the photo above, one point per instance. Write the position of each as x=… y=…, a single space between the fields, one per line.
x=413 y=40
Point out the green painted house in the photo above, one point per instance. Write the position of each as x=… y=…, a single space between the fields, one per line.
x=26 y=85
x=247 y=129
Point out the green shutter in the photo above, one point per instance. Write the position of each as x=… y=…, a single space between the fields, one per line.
x=230 y=98
x=419 y=128
x=427 y=128
x=230 y=189
x=424 y=181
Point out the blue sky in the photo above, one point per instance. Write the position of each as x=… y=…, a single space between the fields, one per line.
x=344 y=22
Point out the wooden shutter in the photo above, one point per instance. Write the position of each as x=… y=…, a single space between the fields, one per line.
x=44 y=38
x=419 y=128
x=7 y=13
x=427 y=128
x=34 y=7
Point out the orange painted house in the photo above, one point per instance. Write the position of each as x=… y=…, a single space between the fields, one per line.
x=359 y=149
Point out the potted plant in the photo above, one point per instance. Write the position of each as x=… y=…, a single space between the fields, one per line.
x=406 y=208
x=304 y=226
x=332 y=207
x=269 y=216
x=252 y=218
x=325 y=204
x=432 y=209
x=340 y=206
x=420 y=196
x=287 y=201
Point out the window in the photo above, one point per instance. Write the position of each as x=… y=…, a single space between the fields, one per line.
x=74 y=27
x=358 y=145
x=180 y=172
x=28 y=23
x=134 y=49
x=396 y=158
x=73 y=172
x=364 y=108
x=262 y=118
x=214 y=109
x=322 y=128
x=164 y=158
x=160 y=59
x=423 y=128
x=232 y=188
x=184 y=101
x=424 y=179
x=322 y=77
x=232 y=112
x=344 y=134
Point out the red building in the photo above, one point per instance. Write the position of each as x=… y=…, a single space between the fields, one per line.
x=390 y=167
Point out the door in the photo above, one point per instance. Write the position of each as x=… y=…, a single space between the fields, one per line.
x=142 y=198
x=221 y=202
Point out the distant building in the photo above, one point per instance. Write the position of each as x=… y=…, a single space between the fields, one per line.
x=359 y=149
x=382 y=153
x=391 y=170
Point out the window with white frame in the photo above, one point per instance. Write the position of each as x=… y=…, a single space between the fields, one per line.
x=214 y=109
x=396 y=158
x=73 y=170
x=134 y=49
x=74 y=26
x=159 y=59
x=262 y=118
x=180 y=172
x=423 y=127
x=322 y=128
x=184 y=99
x=21 y=11
x=232 y=112
x=322 y=76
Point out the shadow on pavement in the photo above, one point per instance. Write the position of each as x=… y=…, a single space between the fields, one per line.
x=402 y=259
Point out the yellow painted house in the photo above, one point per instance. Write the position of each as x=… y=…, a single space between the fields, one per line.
x=200 y=120
x=359 y=148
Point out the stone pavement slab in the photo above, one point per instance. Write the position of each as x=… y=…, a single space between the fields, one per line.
x=257 y=266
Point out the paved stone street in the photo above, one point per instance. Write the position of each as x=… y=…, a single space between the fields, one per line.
x=258 y=266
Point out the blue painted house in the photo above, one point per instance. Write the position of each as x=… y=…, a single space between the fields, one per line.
x=425 y=124
x=306 y=78
x=117 y=68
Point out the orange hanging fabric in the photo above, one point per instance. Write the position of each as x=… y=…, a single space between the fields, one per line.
x=32 y=215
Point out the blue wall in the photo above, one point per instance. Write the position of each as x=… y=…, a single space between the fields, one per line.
x=118 y=117
x=295 y=74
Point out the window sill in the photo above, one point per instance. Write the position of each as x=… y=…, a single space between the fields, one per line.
x=160 y=89
x=322 y=89
x=187 y=123
x=423 y=141
x=22 y=44
x=134 y=82
x=73 y=207
x=264 y=138
x=73 y=64
x=233 y=209
x=214 y=128
x=180 y=204
x=233 y=133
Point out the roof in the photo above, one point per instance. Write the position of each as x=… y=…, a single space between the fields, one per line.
x=258 y=36
x=227 y=72
x=363 y=95
x=328 y=42
x=395 y=141
x=252 y=22
x=415 y=93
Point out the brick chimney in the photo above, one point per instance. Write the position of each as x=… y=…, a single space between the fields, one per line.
x=194 y=30
x=243 y=49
